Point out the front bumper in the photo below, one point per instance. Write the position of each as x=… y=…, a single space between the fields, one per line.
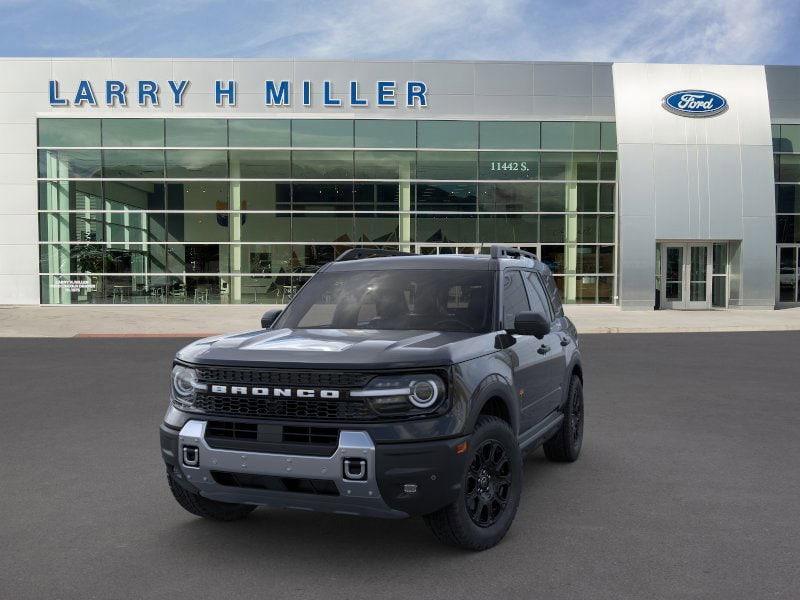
x=401 y=479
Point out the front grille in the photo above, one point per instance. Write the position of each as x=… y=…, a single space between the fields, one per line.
x=313 y=379
x=284 y=408
x=272 y=438
x=276 y=484
x=232 y=431
x=311 y=435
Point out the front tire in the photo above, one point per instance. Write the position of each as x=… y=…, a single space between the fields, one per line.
x=565 y=445
x=490 y=490
x=208 y=509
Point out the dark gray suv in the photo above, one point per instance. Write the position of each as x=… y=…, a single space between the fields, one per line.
x=390 y=386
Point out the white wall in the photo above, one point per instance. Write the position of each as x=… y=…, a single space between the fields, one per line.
x=694 y=178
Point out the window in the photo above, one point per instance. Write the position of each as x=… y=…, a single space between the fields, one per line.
x=199 y=164
x=263 y=202
x=67 y=133
x=537 y=295
x=447 y=134
x=131 y=164
x=259 y=133
x=196 y=133
x=515 y=298
x=436 y=300
x=380 y=133
x=509 y=134
x=322 y=133
x=260 y=164
x=69 y=164
x=133 y=132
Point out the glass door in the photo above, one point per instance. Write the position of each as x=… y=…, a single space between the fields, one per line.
x=787 y=274
x=699 y=276
x=686 y=272
x=673 y=271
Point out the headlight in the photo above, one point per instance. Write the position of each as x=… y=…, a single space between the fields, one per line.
x=184 y=387
x=403 y=394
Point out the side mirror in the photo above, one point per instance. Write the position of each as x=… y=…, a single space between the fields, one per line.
x=269 y=317
x=531 y=323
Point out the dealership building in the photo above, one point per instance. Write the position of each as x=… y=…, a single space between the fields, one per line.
x=127 y=181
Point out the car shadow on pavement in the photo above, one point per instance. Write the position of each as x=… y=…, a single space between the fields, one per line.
x=291 y=535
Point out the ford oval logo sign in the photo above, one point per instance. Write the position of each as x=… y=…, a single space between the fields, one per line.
x=695 y=103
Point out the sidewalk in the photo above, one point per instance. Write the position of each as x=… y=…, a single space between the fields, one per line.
x=198 y=321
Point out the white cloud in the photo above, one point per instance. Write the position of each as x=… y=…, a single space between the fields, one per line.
x=736 y=31
x=713 y=31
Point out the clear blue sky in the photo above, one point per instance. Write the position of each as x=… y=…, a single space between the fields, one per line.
x=713 y=31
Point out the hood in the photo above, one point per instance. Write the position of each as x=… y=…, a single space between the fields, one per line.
x=339 y=348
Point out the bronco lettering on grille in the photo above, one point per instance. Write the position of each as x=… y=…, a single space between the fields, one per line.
x=240 y=390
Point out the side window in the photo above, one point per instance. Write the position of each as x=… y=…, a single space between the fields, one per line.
x=552 y=291
x=515 y=299
x=538 y=296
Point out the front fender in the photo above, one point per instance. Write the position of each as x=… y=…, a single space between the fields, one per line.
x=487 y=378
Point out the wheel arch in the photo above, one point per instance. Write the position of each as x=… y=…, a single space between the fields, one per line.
x=494 y=397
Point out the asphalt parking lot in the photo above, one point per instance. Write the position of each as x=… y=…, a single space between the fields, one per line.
x=688 y=487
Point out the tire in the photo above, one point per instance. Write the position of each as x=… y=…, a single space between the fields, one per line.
x=490 y=491
x=208 y=509
x=565 y=445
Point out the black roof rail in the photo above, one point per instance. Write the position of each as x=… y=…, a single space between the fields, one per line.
x=498 y=251
x=359 y=253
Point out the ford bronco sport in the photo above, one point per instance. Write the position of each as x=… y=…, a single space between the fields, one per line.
x=392 y=385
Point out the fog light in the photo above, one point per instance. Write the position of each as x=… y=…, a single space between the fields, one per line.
x=410 y=488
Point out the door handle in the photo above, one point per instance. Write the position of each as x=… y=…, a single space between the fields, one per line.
x=543 y=349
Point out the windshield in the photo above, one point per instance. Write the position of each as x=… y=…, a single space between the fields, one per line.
x=432 y=300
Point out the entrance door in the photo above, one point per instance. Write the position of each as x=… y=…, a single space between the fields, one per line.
x=686 y=276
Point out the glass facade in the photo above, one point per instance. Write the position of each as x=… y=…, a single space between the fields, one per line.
x=786 y=148
x=245 y=210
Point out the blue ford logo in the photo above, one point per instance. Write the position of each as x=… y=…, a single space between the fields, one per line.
x=695 y=103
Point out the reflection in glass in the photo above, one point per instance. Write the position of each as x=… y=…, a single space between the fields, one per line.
x=508 y=197
x=65 y=133
x=511 y=229
x=259 y=133
x=447 y=134
x=133 y=132
x=509 y=134
x=447 y=165
x=260 y=164
x=385 y=164
x=198 y=133
x=383 y=133
x=197 y=164
x=322 y=164
x=445 y=228
x=132 y=164
x=322 y=227
x=64 y=164
x=322 y=133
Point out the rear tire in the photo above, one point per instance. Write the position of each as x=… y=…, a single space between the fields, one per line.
x=208 y=509
x=490 y=491
x=565 y=445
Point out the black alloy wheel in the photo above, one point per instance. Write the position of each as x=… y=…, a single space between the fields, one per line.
x=487 y=483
